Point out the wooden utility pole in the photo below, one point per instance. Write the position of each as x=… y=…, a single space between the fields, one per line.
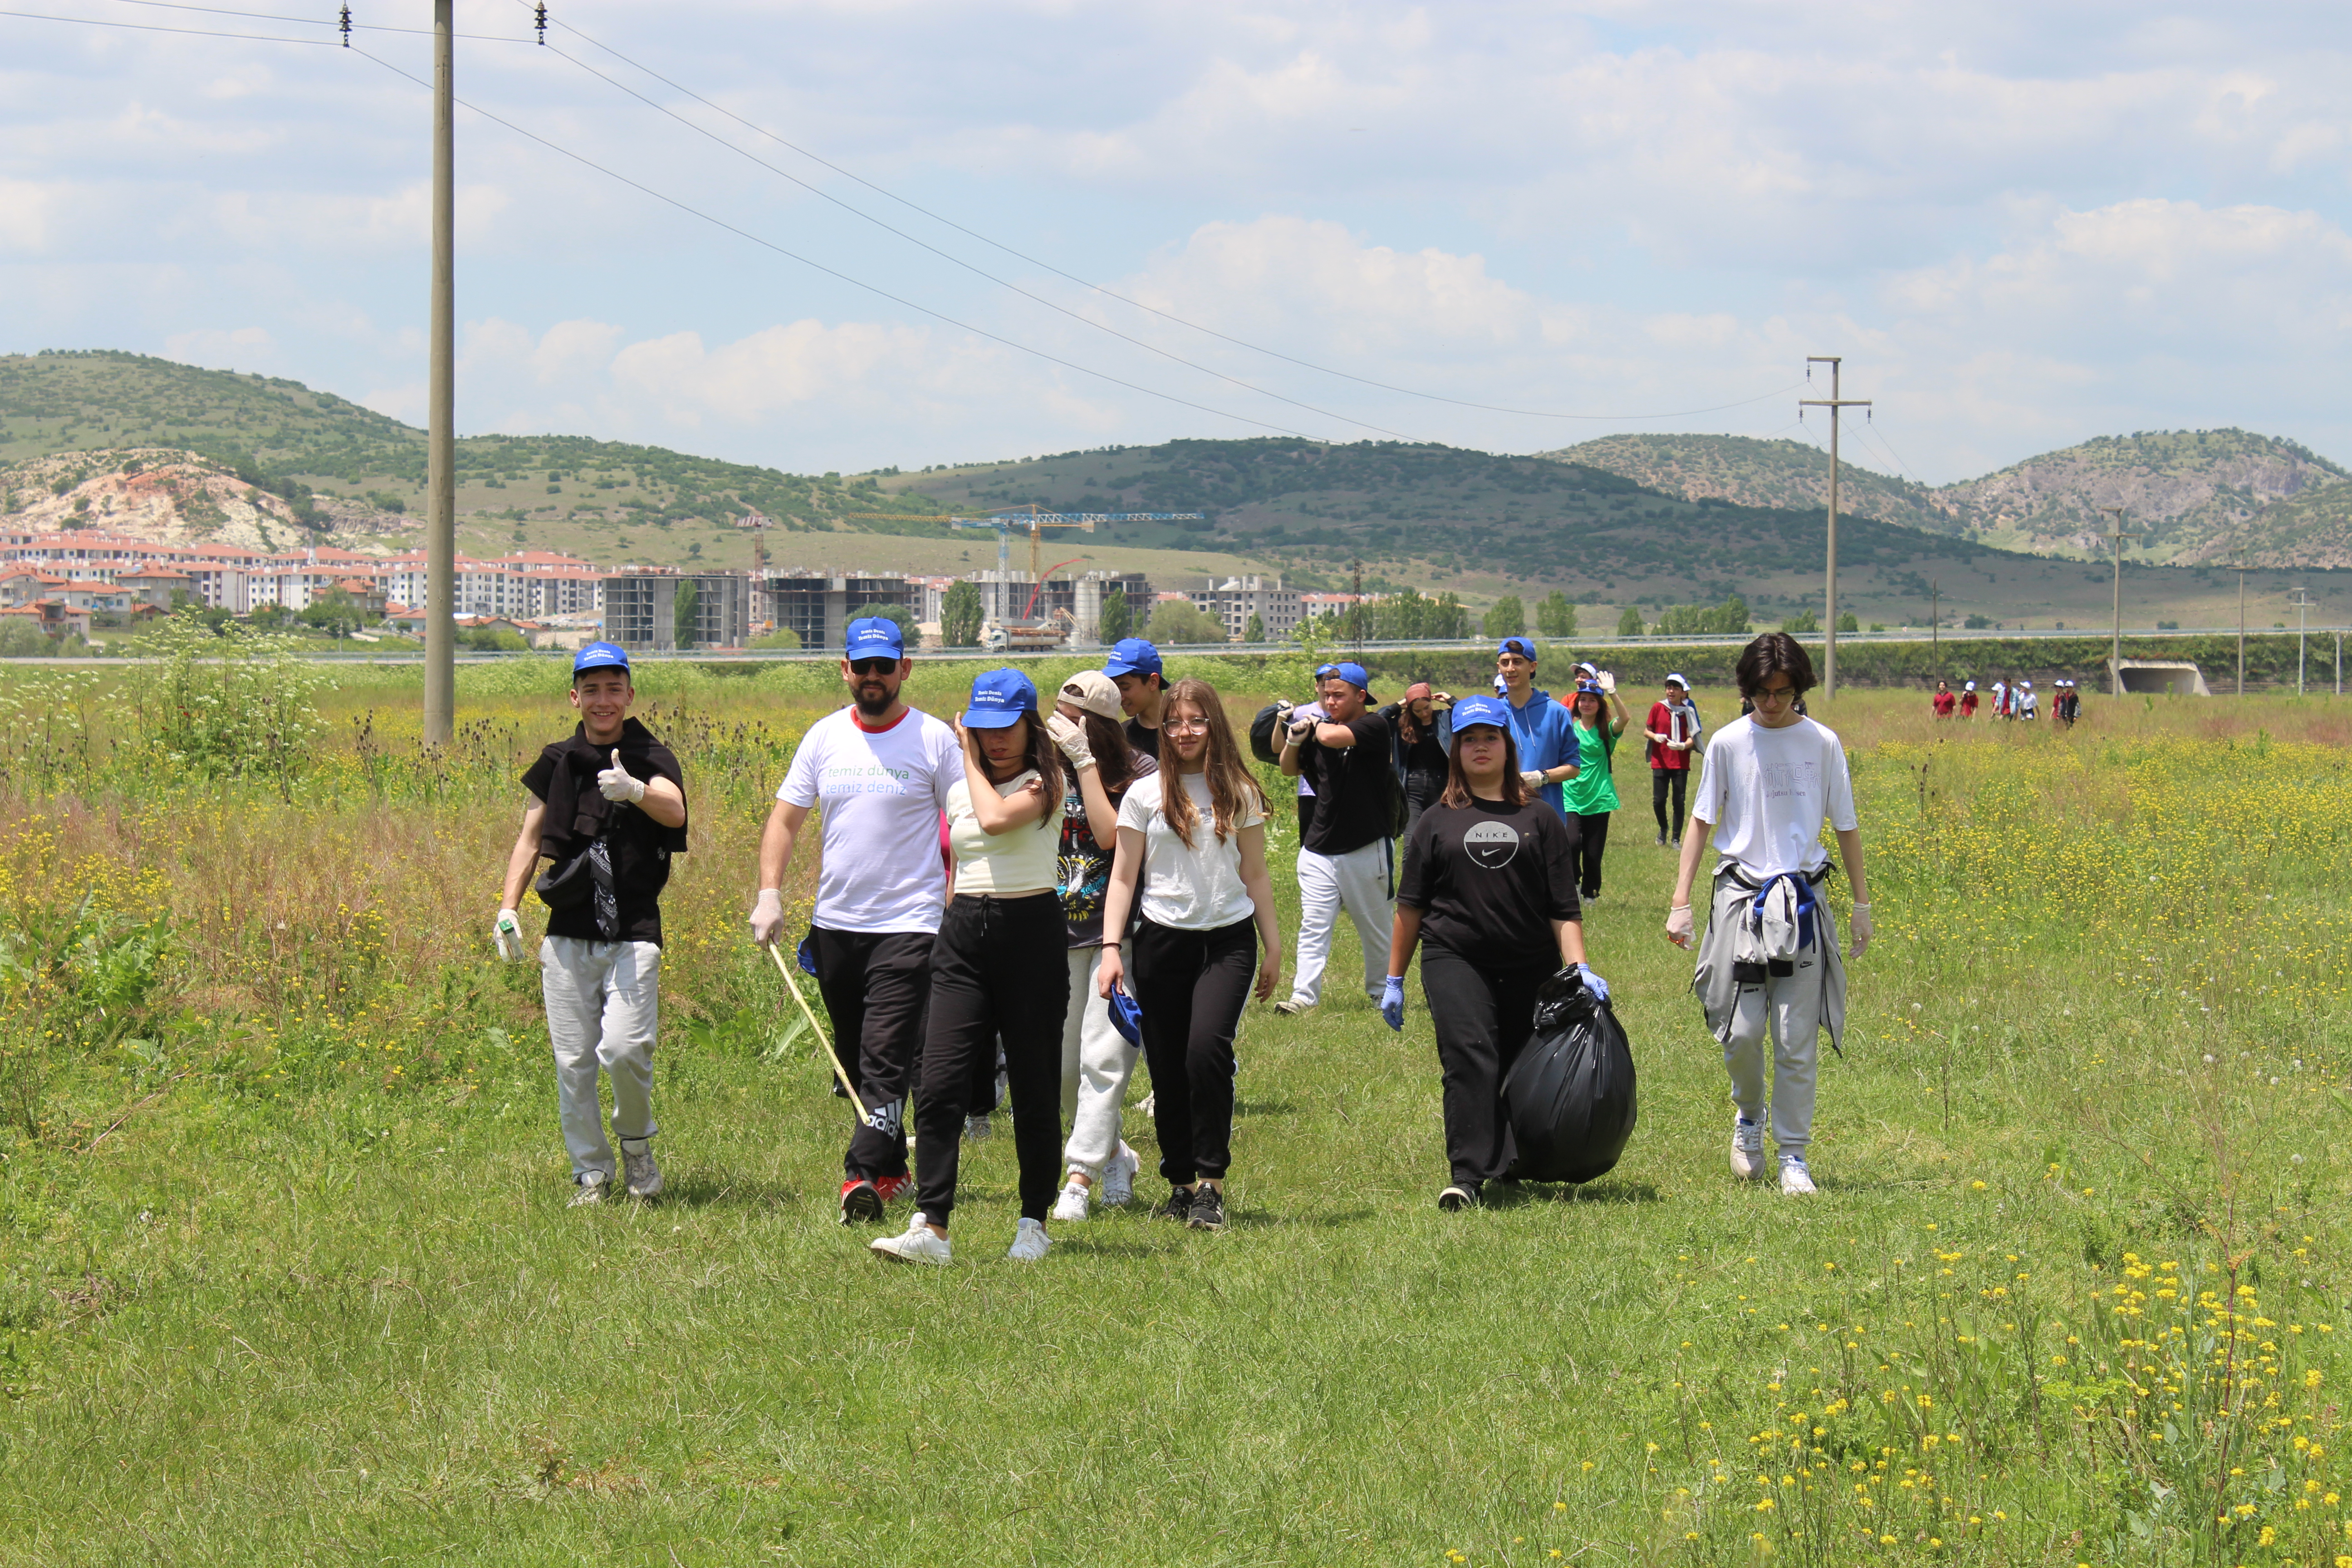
x=2302 y=603
x=1833 y=403
x=441 y=472
x=1936 y=621
x=2241 y=571
x=2114 y=536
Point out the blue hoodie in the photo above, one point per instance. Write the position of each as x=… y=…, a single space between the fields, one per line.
x=1546 y=738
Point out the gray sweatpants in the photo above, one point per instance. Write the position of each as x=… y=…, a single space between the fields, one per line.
x=1789 y=1010
x=603 y=1003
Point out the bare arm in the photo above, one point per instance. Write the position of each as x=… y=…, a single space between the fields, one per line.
x=1118 y=899
x=776 y=840
x=1252 y=843
x=1617 y=725
x=1849 y=843
x=1570 y=937
x=1694 y=846
x=999 y=814
x=1405 y=935
x=1097 y=799
x=523 y=857
x=664 y=802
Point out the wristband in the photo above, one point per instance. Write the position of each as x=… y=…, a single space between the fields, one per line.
x=1671 y=908
x=1863 y=908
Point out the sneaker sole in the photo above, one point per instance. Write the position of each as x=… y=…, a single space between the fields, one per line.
x=861 y=1206
x=1453 y=1200
x=888 y=1256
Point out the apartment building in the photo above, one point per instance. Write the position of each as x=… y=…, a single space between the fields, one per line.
x=1234 y=601
x=817 y=605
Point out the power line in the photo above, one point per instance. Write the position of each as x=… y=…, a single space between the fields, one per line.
x=976 y=271
x=153 y=28
x=299 y=21
x=1099 y=288
x=832 y=272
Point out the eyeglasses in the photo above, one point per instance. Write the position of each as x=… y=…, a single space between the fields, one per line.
x=1184 y=726
x=873 y=666
x=1773 y=694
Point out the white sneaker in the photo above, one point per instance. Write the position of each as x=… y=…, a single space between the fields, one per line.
x=1795 y=1182
x=1747 y=1149
x=976 y=1128
x=1029 y=1242
x=643 y=1177
x=917 y=1246
x=591 y=1186
x=1117 y=1183
x=1291 y=1009
x=1072 y=1205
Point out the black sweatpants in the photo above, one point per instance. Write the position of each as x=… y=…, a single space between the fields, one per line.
x=1662 y=781
x=876 y=987
x=999 y=967
x=1591 y=842
x=1483 y=1016
x=1192 y=986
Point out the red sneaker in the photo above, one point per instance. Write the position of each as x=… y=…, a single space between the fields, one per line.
x=889 y=1187
x=860 y=1204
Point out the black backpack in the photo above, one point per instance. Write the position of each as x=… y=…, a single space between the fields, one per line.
x=1262 y=742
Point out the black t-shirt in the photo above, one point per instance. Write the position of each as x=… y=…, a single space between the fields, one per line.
x=1143 y=739
x=1490 y=879
x=565 y=779
x=1423 y=758
x=1351 y=787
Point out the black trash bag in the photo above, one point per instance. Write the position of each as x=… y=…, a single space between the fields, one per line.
x=1570 y=1094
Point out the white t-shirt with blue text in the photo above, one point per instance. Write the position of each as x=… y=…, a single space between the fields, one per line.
x=880 y=795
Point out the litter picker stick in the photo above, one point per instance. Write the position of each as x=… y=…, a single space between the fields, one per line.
x=793 y=986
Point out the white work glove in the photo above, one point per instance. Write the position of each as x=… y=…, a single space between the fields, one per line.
x=1071 y=736
x=507 y=932
x=1298 y=730
x=1534 y=780
x=1858 y=927
x=615 y=783
x=768 y=916
x=1681 y=925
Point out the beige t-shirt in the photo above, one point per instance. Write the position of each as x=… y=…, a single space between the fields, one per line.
x=1025 y=860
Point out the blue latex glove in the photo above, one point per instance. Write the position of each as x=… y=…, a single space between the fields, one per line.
x=1592 y=983
x=1392 y=1003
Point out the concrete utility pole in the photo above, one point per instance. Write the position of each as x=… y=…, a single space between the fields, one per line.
x=2241 y=571
x=2302 y=603
x=1833 y=403
x=1936 y=621
x=441 y=471
x=2114 y=536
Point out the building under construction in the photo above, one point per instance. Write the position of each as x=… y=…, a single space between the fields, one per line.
x=818 y=606
x=641 y=609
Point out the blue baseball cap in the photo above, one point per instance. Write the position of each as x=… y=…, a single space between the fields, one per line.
x=1481 y=710
x=600 y=655
x=874 y=637
x=1132 y=656
x=1353 y=674
x=1525 y=647
x=998 y=698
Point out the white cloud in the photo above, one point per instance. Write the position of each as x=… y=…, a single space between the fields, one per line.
x=236 y=348
x=25 y=209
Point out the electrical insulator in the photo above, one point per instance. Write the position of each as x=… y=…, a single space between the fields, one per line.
x=346 y=25
x=541 y=22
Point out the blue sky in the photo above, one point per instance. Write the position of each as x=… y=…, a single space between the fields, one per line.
x=2022 y=226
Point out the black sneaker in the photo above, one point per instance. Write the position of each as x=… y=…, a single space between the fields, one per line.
x=1458 y=1198
x=1208 y=1209
x=1179 y=1206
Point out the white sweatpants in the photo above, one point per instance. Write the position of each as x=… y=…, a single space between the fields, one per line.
x=1358 y=882
x=1788 y=1009
x=1096 y=1066
x=603 y=1004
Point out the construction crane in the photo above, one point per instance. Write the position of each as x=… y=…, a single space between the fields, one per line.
x=1037 y=522
x=1037 y=585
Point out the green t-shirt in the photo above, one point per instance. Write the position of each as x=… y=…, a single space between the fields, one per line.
x=1592 y=790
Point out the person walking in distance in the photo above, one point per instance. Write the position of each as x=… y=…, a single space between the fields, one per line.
x=1345 y=858
x=2000 y=698
x=1944 y=700
x=1769 y=965
x=1097 y=1062
x=998 y=970
x=2028 y=703
x=1134 y=666
x=1547 y=744
x=1671 y=733
x=1968 y=700
x=1192 y=859
x=1417 y=726
x=1489 y=896
x=1591 y=795
x=608 y=807
x=879 y=772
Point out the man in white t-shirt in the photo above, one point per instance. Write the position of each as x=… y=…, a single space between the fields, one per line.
x=881 y=772
x=1769 y=963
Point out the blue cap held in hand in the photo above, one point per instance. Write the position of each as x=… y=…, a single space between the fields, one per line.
x=998 y=698
x=1523 y=646
x=600 y=655
x=1132 y=656
x=1481 y=710
x=1126 y=1016
x=874 y=637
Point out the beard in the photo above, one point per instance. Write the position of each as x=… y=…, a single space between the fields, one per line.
x=873 y=699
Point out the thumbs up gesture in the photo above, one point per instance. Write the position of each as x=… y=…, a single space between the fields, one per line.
x=616 y=785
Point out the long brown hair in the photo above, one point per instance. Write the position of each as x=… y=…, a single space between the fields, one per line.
x=1043 y=756
x=1232 y=787
x=1114 y=758
x=1457 y=784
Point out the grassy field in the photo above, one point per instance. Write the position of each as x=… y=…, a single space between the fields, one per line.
x=286 y=1272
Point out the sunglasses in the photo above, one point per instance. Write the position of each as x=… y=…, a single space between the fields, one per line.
x=873 y=666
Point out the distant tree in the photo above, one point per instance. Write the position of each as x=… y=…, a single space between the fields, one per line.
x=1448 y=619
x=1976 y=622
x=1116 y=620
x=685 y=607
x=898 y=614
x=959 y=616
x=1255 y=630
x=1554 y=617
x=496 y=639
x=1177 y=622
x=1728 y=619
x=1401 y=617
x=1802 y=621
x=781 y=638
x=1629 y=621
x=1507 y=618
x=1847 y=622
x=270 y=616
